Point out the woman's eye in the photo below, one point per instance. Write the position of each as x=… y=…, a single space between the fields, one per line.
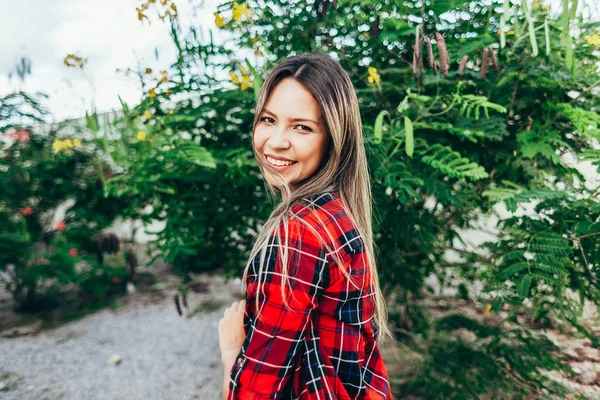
x=304 y=126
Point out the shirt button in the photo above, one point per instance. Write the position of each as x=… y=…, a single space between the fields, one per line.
x=240 y=362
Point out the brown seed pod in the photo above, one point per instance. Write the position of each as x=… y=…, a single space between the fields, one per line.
x=321 y=6
x=430 y=55
x=443 y=53
x=420 y=49
x=176 y=299
x=414 y=63
x=463 y=62
x=374 y=29
x=484 y=64
x=493 y=56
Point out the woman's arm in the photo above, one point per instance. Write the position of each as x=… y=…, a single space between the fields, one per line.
x=231 y=337
x=275 y=338
x=228 y=359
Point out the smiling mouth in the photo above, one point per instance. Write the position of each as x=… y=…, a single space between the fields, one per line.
x=279 y=163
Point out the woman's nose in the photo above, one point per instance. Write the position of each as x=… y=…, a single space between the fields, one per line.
x=279 y=138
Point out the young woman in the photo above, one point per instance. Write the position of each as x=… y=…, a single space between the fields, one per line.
x=313 y=312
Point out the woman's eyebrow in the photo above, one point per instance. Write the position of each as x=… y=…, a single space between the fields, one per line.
x=292 y=119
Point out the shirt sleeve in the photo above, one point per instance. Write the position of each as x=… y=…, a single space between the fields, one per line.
x=274 y=341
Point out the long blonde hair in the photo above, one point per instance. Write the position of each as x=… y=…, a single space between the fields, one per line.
x=344 y=167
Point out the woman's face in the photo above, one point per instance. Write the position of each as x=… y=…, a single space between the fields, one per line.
x=290 y=129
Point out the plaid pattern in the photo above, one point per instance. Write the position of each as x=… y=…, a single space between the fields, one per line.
x=324 y=347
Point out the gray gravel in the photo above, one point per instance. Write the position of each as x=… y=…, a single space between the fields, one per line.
x=164 y=355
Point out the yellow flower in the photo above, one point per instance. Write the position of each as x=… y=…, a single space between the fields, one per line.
x=64 y=144
x=219 y=21
x=487 y=310
x=243 y=70
x=165 y=76
x=141 y=136
x=57 y=145
x=239 y=10
x=373 y=75
x=152 y=93
x=511 y=32
x=234 y=78
x=594 y=40
x=147 y=114
x=74 y=61
x=245 y=82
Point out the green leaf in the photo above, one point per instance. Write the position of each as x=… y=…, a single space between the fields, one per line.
x=524 y=285
x=258 y=80
x=513 y=269
x=378 y=128
x=197 y=154
x=410 y=138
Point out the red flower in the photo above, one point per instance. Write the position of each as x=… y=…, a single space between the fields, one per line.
x=60 y=226
x=115 y=279
x=20 y=136
x=26 y=211
x=73 y=252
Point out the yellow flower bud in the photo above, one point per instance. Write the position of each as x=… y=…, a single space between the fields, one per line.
x=57 y=145
x=147 y=114
x=487 y=312
x=219 y=20
x=141 y=136
x=594 y=40
x=234 y=78
x=245 y=82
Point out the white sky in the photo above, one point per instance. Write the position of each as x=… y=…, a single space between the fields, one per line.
x=107 y=32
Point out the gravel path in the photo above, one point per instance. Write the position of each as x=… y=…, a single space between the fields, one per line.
x=163 y=355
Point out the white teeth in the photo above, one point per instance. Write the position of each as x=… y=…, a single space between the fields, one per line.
x=279 y=162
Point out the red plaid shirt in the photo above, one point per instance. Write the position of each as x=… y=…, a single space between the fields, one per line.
x=324 y=347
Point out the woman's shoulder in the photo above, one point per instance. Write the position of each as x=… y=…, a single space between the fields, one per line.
x=327 y=214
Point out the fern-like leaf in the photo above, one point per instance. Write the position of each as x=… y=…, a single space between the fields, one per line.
x=451 y=163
